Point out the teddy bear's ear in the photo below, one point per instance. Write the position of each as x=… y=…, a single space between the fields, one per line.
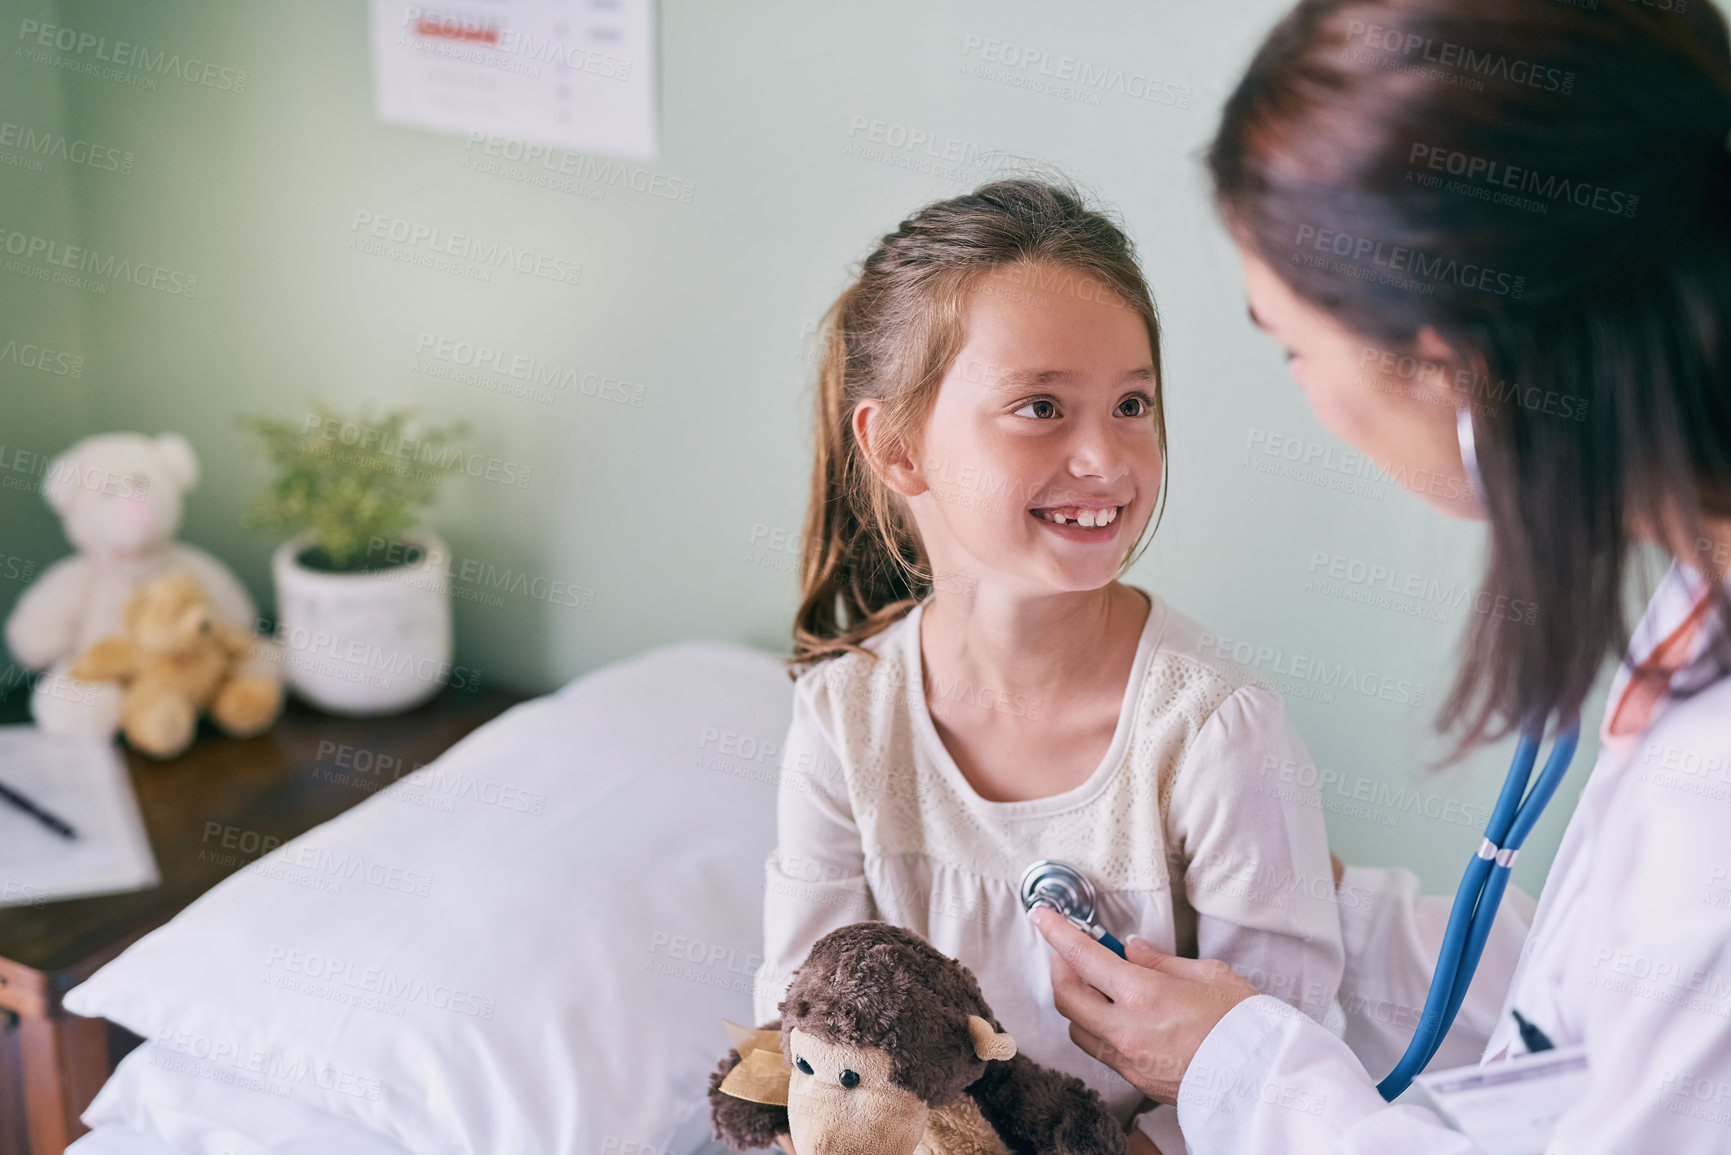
x=178 y=456
x=989 y=1043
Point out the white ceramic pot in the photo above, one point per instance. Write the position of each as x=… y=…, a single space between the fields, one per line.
x=365 y=643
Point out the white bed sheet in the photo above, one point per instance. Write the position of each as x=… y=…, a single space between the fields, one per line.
x=151 y=1108
x=125 y=1141
x=119 y=1141
x=157 y=1097
x=111 y=1140
x=658 y=775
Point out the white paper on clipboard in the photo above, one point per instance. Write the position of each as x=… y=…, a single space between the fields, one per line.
x=1510 y=1107
x=573 y=74
x=85 y=783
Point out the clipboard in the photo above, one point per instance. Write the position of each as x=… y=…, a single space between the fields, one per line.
x=1510 y=1107
x=85 y=782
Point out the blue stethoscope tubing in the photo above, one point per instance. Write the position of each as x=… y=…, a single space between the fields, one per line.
x=1105 y=939
x=1481 y=890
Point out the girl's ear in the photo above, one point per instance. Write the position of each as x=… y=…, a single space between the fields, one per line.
x=894 y=465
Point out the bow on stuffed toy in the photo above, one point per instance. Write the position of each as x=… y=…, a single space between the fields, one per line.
x=886 y=1047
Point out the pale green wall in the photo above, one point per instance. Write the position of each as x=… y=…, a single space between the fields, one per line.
x=707 y=306
x=41 y=410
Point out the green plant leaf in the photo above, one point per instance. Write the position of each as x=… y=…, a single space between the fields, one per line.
x=358 y=483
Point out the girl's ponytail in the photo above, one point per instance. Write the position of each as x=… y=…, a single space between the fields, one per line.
x=852 y=583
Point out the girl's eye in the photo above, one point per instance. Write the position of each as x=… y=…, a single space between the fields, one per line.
x=1145 y=403
x=803 y=1066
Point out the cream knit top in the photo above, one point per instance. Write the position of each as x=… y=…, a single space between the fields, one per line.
x=876 y=821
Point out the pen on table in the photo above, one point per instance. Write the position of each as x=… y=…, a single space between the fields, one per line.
x=51 y=821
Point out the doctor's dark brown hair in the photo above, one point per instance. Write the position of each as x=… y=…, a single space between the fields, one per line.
x=893 y=335
x=1394 y=130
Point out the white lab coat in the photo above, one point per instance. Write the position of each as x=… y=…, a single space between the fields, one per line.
x=1629 y=953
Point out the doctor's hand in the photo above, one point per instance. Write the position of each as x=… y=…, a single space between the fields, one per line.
x=1144 y=1018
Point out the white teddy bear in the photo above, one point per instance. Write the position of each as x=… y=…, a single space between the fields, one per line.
x=119 y=499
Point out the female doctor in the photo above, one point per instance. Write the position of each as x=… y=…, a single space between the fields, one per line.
x=1522 y=209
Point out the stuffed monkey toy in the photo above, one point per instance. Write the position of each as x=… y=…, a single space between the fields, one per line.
x=886 y=1047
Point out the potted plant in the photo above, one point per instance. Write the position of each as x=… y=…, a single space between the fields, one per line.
x=363 y=600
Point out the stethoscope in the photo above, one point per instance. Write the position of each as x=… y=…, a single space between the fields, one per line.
x=1066 y=890
x=1487 y=874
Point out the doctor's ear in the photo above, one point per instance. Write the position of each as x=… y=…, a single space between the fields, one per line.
x=1430 y=348
x=1425 y=369
x=892 y=463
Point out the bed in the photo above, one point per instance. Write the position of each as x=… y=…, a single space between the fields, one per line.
x=527 y=946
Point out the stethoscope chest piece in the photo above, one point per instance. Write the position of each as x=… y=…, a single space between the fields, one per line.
x=1060 y=886
x=1067 y=891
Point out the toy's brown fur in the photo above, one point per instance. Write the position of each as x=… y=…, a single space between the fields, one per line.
x=874 y=985
x=177 y=659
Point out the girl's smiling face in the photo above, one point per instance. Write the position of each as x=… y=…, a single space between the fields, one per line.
x=1040 y=462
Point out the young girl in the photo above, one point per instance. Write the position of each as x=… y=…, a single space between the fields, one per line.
x=977 y=690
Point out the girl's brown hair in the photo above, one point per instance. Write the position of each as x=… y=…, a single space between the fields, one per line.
x=892 y=336
x=1548 y=187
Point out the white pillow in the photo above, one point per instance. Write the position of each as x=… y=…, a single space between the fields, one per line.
x=158 y=1101
x=525 y=947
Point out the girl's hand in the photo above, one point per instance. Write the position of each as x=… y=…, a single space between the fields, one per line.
x=1144 y=1018
x=785 y=1142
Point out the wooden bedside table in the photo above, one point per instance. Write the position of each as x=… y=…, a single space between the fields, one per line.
x=308 y=769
